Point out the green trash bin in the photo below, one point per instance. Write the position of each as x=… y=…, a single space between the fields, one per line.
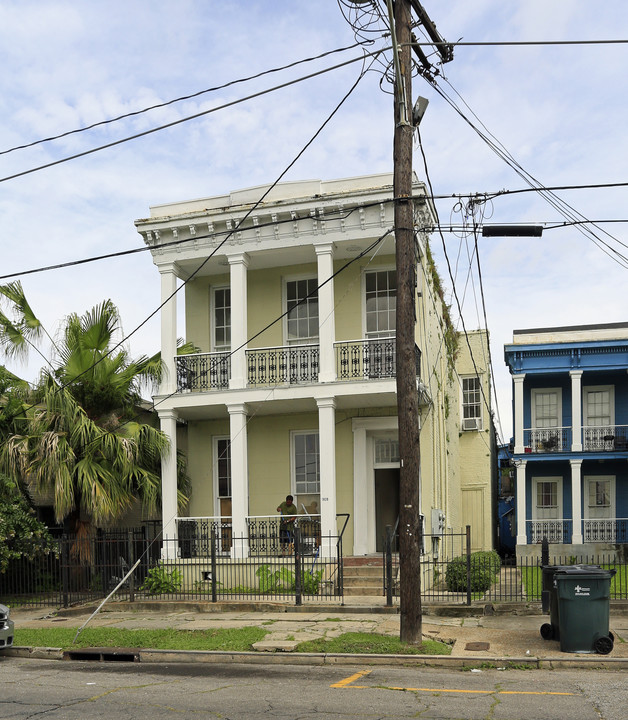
x=549 y=599
x=583 y=600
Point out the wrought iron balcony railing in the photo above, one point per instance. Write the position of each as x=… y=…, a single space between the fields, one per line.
x=368 y=358
x=547 y=440
x=203 y=371
x=556 y=531
x=612 y=530
x=286 y=365
x=606 y=438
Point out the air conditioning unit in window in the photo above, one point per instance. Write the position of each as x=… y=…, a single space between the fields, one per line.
x=471 y=424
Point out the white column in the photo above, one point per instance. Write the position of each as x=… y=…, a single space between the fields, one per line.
x=327 y=449
x=518 y=389
x=360 y=494
x=239 y=479
x=521 y=502
x=168 y=329
x=576 y=410
x=576 y=501
x=326 y=314
x=239 y=326
x=169 y=510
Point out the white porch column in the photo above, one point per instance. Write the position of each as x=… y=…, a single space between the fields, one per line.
x=521 y=502
x=169 y=510
x=326 y=314
x=576 y=501
x=518 y=389
x=576 y=410
x=239 y=330
x=327 y=450
x=239 y=479
x=168 y=328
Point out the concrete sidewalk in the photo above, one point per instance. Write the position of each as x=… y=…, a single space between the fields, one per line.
x=476 y=638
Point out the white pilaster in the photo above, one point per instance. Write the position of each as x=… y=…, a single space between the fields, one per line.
x=169 y=510
x=239 y=326
x=361 y=522
x=327 y=449
x=576 y=501
x=518 y=390
x=326 y=314
x=576 y=410
x=168 y=328
x=521 y=502
x=239 y=479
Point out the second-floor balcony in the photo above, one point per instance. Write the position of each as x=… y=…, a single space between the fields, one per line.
x=363 y=359
x=601 y=438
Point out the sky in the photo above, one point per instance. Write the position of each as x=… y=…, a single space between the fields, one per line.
x=558 y=109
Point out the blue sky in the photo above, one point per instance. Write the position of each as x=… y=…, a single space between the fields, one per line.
x=559 y=110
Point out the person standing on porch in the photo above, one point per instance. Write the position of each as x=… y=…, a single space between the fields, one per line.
x=288 y=512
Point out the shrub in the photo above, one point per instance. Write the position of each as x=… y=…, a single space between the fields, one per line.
x=159 y=580
x=485 y=566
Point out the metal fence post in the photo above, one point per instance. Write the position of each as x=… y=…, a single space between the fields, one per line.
x=213 y=559
x=468 y=534
x=65 y=568
x=544 y=552
x=296 y=536
x=388 y=582
x=131 y=555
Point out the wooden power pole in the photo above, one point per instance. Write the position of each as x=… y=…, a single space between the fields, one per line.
x=407 y=392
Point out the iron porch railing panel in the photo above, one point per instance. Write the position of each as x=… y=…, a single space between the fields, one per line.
x=202 y=372
x=286 y=365
x=605 y=438
x=547 y=440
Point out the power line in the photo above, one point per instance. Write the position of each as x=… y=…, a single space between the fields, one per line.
x=471 y=43
x=203 y=113
x=179 y=99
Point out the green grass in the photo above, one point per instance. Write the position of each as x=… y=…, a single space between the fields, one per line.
x=372 y=643
x=532 y=578
x=231 y=639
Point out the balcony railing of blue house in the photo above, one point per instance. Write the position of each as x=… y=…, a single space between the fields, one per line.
x=369 y=358
x=284 y=365
x=547 y=440
x=201 y=372
x=556 y=531
x=605 y=438
x=607 y=530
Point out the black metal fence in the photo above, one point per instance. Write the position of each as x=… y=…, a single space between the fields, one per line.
x=80 y=570
x=452 y=573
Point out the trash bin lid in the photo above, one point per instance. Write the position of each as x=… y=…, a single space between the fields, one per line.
x=594 y=573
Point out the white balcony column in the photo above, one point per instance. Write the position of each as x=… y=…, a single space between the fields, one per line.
x=239 y=326
x=520 y=467
x=327 y=450
x=518 y=390
x=239 y=479
x=576 y=410
x=169 y=510
x=576 y=501
x=326 y=313
x=168 y=328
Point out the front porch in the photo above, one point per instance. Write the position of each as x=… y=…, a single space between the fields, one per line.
x=560 y=531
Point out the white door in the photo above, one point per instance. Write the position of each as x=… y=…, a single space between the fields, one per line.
x=599 y=417
x=547 y=509
x=599 y=508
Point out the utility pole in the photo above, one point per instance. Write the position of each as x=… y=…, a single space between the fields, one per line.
x=407 y=395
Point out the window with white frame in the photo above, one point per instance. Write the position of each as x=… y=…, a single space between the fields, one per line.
x=221 y=316
x=471 y=403
x=546 y=408
x=306 y=463
x=381 y=303
x=302 y=310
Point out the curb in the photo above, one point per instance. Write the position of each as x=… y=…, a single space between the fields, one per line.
x=148 y=656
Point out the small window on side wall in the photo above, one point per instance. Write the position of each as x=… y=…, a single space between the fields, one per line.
x=471 y=403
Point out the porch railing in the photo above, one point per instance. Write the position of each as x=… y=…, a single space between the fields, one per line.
x=285 y=365
x=547 y=440
x=556 y=530
x=203 y=371
x=605 y=438
x=369 y=358
x=607 y=530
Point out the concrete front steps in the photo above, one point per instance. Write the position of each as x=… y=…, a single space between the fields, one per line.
x=363 y=575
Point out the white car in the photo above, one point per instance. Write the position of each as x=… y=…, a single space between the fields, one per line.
x=6 y=628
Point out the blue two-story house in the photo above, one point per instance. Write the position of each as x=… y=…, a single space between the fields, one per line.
x=570 y=403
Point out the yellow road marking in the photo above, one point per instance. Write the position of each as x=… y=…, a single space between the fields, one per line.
x=348 y=683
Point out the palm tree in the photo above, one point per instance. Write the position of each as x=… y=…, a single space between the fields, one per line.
x=82 y=440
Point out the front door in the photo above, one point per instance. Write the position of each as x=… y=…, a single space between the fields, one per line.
x=547 y=509
x=599 y=509
x=386 y=502
x=222 y=485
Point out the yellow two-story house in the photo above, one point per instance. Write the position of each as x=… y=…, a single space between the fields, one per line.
x=290 y=297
